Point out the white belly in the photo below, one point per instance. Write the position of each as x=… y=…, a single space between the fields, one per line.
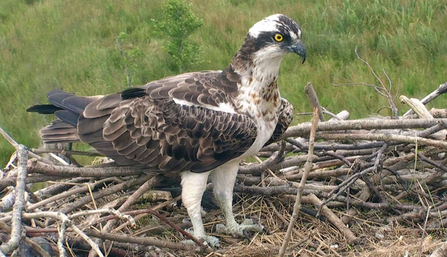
x=265 y=132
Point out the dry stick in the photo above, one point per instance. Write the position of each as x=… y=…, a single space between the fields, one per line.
x=332 y=218
x=178 y=228
x=441 y=251
x=65 y=194
x=439 y=91
x=343 y=199
x=346 y=184
x=133 y=198
x=7 y=201
x=56 y=187
x=32 y=231
x=116 y=213
x=338 y=156
x=303 y=129
x=29 y=179
x=61 y=238
x=65 y=151
x=266 y=191
x=377 y=168
x=139 y=240
x=33 y=197
x=307 y=168
x=34 y=245
x=65 y=220
x=320 y=174
x=431 y=130
x=384 y=137
x=417 y=106
x=9 y=138
x=301 y=159
x=313 y=98
x=37 y=247
x=35 y=166
x=422 y=182
x=387 y=93
x=107 y=191
x=144 y=212
x=15 y=144
x=19 y=203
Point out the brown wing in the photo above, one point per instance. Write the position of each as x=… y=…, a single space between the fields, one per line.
x=146 y=126
x=170 y=137
x=284 y=120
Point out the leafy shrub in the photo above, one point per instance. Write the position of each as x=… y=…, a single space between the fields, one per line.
x=178 y=23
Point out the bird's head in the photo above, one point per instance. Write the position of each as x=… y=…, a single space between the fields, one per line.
x=267 y=42
x=275 y=36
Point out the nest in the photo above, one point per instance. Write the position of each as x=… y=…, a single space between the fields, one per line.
x=372 y=187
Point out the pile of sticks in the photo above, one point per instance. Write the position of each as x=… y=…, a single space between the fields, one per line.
x=395 y=166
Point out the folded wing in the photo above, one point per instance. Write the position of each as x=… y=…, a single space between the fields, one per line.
x=174 y=124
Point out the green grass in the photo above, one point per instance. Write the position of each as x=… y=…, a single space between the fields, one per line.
x=72 y=45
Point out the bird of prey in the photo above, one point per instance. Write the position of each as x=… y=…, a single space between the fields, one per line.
x=199 y=124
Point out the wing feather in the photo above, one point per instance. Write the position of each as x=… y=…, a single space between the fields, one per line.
x=146 y=126
x=178 y=136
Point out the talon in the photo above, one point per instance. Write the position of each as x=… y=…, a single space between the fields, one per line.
x=247 y=236
x=210 y=241
x=240 y=230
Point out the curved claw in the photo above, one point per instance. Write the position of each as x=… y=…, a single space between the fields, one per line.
x=207 y=240
x=240 y=230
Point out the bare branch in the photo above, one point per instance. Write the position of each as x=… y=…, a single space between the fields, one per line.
x=19 y=203
x=304 y=128
x=307 y=167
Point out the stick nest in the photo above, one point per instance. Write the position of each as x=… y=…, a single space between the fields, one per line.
x=375 y=187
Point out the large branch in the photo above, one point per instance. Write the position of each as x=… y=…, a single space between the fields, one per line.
x=19 y=203
x=304 y=128
x=384 y=137
x=35 y=166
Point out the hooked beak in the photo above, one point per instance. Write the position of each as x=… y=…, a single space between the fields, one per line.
x=299 y=49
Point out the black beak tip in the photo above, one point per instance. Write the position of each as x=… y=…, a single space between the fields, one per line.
x=300 y=50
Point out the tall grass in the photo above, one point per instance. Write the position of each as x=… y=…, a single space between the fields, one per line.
x=72 y=45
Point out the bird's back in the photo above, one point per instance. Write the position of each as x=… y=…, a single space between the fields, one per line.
x=173 y=124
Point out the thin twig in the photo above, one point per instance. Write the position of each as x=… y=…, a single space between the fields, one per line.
x=307 y=168
x=66 y=194
x=387 y=93
x=176 y=227
x=107 y=191
x=313 y=98
x=65 y=219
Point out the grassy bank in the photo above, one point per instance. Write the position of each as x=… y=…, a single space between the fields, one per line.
x=72 y=45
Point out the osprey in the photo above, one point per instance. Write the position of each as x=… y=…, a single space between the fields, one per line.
x=199 y=124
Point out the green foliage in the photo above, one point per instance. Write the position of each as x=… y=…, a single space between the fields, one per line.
x=72 y=46
x=178 y=23
x=129 y=57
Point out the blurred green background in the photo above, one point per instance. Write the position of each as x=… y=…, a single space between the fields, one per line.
x=71 y=45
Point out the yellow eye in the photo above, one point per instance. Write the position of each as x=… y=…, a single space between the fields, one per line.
x=278 y=37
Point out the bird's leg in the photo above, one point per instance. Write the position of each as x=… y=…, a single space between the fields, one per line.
x=223 y=179
x=193 y=186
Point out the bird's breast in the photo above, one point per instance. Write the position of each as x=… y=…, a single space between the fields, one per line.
x=263 y=107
